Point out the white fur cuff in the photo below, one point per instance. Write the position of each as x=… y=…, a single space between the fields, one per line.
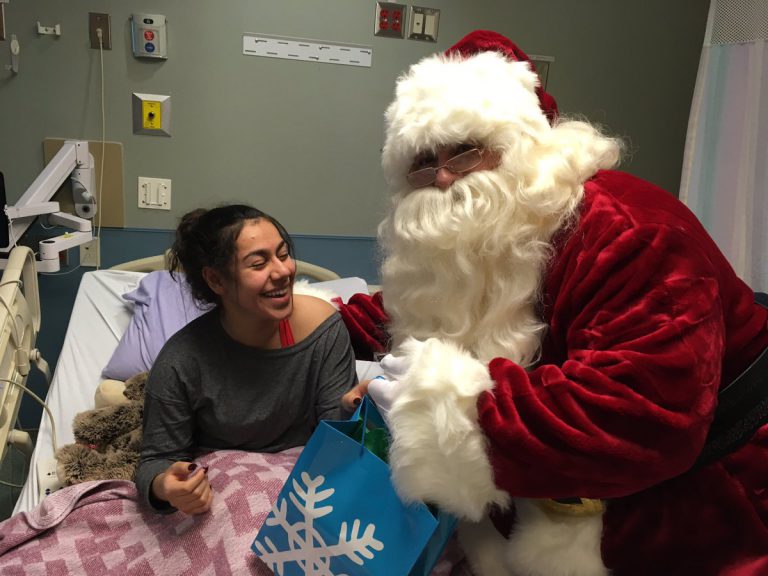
x=438 y=451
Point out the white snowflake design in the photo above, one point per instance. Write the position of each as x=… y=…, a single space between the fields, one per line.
x=307 y=547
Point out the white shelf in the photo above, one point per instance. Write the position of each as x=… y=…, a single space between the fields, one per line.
x=307 y=50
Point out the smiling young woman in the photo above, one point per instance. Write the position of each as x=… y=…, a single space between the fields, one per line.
x=257 y=372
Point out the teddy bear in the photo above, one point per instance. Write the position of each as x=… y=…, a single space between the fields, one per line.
x=107 y=438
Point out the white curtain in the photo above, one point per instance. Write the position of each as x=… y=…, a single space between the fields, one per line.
x=725 y=170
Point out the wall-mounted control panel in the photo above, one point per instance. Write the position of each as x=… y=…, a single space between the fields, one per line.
x=149 y=36
x=151 y=114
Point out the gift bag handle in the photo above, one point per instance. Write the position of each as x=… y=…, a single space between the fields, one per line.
x=364 y=416
x=377 y=441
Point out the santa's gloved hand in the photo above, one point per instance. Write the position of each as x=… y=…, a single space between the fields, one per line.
x=384 y=392
x=397 y=364
x=394 y=367
x=385 y=388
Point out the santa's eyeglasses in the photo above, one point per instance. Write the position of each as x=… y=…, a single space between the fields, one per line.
x=467 y=160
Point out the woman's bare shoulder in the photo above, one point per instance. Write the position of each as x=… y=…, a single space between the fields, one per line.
x=308 y=313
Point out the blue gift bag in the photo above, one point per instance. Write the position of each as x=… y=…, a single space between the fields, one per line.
x=338 y=512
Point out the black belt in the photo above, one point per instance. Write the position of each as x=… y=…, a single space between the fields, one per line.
x=742 y=408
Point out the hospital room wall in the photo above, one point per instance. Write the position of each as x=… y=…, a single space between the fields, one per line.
x=302 y=140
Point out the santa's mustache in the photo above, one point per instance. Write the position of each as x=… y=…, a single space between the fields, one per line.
x=471 y=212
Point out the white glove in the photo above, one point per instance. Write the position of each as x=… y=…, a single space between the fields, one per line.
x=395 y=367
x=384 y=392
x=385 y=388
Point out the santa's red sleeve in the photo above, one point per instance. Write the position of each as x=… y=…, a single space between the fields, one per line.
x=645 y=315
x=366 y=321
x=638 y=330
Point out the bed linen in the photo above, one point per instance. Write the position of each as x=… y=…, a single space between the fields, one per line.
x=98 y=528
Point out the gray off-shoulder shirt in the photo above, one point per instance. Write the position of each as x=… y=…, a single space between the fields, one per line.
x=206 y=391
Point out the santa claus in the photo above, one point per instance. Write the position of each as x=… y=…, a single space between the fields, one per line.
x=561 y=337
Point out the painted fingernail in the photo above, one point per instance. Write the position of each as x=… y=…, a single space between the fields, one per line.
x=191 y=466
x=205 y=469
x=356 y=401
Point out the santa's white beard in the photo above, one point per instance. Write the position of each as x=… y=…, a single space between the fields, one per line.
x=466 y=264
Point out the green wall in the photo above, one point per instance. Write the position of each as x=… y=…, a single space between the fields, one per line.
x=301 y=140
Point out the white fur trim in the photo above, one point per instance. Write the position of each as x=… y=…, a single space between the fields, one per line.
x=547 y=544
x=438 y=452
x=305 y=288
x=449 y=99
x=485 y=548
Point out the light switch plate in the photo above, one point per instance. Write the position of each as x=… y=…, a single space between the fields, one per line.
x=423 y=23
x=154 y=193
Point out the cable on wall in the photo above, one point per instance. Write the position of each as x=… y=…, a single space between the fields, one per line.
x=97 y=235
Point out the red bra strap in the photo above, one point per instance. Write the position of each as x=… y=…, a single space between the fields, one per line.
x=286 y=334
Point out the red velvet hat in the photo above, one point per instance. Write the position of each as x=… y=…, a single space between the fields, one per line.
x=487 y=41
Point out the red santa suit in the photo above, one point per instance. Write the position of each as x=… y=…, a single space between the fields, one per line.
x=644 y=321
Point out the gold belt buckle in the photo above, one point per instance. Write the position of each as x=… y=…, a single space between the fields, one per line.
x=573 y=506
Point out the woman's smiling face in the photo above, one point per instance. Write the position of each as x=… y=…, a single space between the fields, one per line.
x=261 y=282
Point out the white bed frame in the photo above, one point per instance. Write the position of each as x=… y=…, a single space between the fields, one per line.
x=19 y=326
x=160 y=262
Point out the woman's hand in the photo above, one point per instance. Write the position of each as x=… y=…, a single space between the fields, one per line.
x=352 y=399
x=185 y=487
x=382 y=391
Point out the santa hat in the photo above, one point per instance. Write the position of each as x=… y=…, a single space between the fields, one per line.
x=483 y=89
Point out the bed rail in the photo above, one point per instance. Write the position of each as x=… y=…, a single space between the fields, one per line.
x=160 y=262
x=19 y=326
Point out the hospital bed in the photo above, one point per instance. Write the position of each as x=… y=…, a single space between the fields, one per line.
x=102 y=525
x=99 y=317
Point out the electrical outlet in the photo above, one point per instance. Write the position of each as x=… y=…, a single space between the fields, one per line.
x=90 y=253
x=97 y=20
x=47 y=477
x=390 y=20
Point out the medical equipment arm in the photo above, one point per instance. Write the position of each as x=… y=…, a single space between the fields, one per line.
x=73 y=161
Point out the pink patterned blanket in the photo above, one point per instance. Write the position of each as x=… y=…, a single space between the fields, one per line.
x=101 y=527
